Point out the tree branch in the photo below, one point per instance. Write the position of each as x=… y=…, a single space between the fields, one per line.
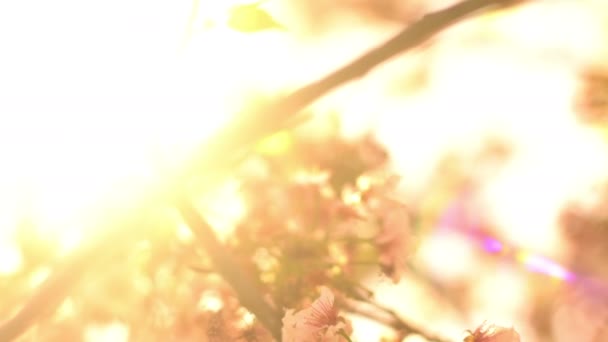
x=220 y=152
x=245 y=287
x=263 y=121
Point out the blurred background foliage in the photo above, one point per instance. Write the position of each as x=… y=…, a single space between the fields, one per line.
x=497 y=129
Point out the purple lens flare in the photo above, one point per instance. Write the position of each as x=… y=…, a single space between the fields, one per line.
x=492 y=245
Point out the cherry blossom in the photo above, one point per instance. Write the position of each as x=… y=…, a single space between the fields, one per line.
x=492 y=333
x=393 y=238
x=319 y=322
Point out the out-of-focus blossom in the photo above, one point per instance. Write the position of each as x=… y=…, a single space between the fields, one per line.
x=393 y=238
x=319 y=322
x=581 y=312
x=592 y=99
x=492 y=333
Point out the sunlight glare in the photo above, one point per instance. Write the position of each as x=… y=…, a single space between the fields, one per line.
x=10 y=258
x=38 y=276
x=210 y=301
x=499 y=295
x=449 y=257
x=89 y=115
x=223 y=207
x=109 y=332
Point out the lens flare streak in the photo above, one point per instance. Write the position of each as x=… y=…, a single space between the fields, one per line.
x=532 y=262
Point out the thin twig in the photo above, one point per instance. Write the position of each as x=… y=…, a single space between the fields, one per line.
x=392 y=320
x=220 y=152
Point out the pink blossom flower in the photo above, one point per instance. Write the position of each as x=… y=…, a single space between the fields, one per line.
x=319 y=322
x=492 y=333
x=393 y=239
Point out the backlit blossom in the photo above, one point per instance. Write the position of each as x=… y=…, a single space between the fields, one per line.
x=492 y=333
x=319 y=322
x=393 y=238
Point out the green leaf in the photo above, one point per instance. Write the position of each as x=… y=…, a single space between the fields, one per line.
x=251 y=18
